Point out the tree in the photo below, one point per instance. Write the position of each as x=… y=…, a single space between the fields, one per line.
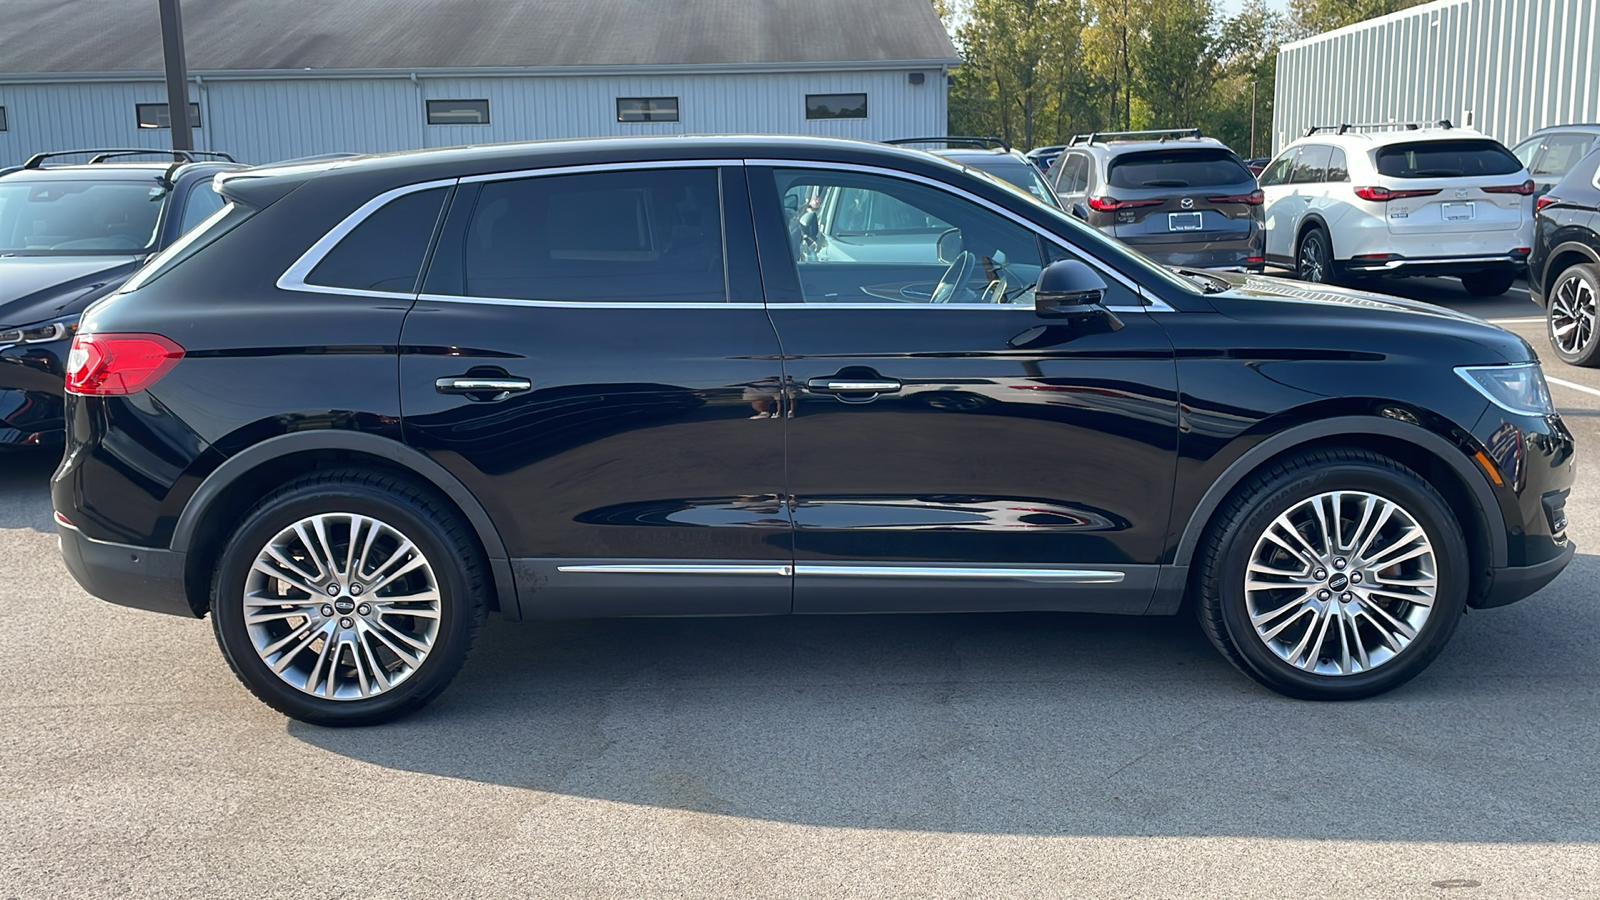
x=1316 y=16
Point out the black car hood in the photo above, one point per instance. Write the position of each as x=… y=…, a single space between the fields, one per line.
x=41 y=288
x=1319 y=305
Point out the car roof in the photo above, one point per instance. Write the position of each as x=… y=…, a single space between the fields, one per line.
x=1117 y=148
x=1386 y=137
x=973 y=153
x=1578 y=127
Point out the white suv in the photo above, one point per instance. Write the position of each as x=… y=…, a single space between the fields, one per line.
x=1348 y=201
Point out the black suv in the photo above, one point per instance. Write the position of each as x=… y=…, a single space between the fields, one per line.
x=1564 y=266
x=1179 y=197
x=69 y=235
x=377 y=398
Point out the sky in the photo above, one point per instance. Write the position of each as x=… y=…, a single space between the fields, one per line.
x=1231 y=7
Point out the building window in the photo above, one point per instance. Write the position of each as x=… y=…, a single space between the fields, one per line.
x=2 y=118
x=836 y=106
x=458 y=112
x=647 y=109
x=154 y=115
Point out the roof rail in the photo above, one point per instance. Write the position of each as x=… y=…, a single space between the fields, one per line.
x=1347 y=127
x=991 y=143
x=1095 y=137
x=102 y=154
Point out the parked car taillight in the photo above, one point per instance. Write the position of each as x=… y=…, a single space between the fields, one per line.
x=113 y=364
x=1546 y=200
x=1253 y=198
x=1525 y=189
x=1108 y=204
x=1383 y=194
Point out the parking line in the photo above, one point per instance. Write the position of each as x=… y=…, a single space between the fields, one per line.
x=1522 y=320
x=1568 y=384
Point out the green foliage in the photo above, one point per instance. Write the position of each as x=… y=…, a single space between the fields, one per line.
x=1039 y=71
x=1316 y=16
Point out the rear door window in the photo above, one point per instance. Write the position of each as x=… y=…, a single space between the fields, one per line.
x=1070 y=174
x=646 y=235
x=385 y=251
x=1338 y=168
x=1177 y=168
x=1312 y=166
x=1446 y=159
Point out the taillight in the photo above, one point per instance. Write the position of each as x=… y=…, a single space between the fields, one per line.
x=1525 y=189
x=1253 y=198
x=1108 y=204
x=1546 y=200
x=113 y=364
x=1383 y=194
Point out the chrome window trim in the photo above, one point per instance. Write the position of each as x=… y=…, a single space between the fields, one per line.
x=294 y=278
x=603 y=167
x=584 y=304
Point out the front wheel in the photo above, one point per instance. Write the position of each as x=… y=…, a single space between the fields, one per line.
x=348 y=598
x=1571 y=316
x=1335 y=575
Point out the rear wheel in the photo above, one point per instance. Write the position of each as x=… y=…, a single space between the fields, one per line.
x=1334 y=575
x=348 y=598
x=1314 y=258
x=1488 y=284
x=1571 y=316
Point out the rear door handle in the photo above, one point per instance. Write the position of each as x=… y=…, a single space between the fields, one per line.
x=501 y=388
x=854 y=385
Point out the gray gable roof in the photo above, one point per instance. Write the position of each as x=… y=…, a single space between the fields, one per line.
x=66 y=36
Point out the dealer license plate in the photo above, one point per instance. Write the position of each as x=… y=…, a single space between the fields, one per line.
x=1189 y=221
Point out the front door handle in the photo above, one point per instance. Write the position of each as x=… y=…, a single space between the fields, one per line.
x=496 y=388
x=854 y=385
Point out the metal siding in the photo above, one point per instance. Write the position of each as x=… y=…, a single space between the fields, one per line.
x=274 y=119
x=1517 y=65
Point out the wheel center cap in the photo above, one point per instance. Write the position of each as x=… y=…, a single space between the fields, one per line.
x=1339 y=581
x=344 y=605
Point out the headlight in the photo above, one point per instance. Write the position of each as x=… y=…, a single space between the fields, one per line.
x=40 y=334
x=1518 y=388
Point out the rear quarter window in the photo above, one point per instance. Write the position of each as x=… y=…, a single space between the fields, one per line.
x=1177 y=168
x=385 y=251
x=1446 y=159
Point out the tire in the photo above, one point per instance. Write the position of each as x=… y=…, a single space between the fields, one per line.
x=1570 y=318
x=1313 y=259
x=1488 y=284
x=1292 y=489
x=402 y=628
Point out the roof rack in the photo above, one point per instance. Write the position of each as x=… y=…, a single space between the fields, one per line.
x=103 y=154
x=989 y=143
x=1096 y=137
x=1348 y=127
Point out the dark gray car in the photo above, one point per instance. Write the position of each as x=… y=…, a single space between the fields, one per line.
x=1550 y=153
x=1178 y=197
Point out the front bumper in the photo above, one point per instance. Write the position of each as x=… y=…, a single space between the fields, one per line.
x=140 y=577
x=32 y=390
x=1513 y=583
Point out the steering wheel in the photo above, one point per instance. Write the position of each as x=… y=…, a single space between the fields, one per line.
x=996 y=291
x=954 y=277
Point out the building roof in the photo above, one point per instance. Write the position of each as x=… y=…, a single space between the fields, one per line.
x=84 y=36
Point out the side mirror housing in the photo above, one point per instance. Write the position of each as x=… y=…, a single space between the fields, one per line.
x=1079 y=210
x=1068 y=289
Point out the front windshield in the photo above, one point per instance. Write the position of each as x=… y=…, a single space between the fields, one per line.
x=68 y=217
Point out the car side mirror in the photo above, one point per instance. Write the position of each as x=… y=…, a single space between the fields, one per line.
x=1068 y=289
x=1079 y=210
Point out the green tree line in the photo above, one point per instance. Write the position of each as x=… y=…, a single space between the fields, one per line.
x=1037 y=72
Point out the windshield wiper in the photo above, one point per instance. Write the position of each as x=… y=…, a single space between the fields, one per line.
x=1209 y=283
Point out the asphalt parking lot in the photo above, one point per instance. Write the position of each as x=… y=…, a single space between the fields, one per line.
x=983 y=756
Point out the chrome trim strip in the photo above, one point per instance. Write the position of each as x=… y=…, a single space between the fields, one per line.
x=680 y=569
x=294 y=279
x=603 y=167
x=581 y=304
x=945 y=185
x=1017 y=573
x=1429 y=261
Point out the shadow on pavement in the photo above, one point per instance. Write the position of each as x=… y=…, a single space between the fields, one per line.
x=24 y=488
x=1005 y=723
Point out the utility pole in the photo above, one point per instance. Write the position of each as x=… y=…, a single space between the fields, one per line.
x=1252 y=118
x=177 y=75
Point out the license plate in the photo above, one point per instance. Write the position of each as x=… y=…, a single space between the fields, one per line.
x=1189 y=221
x=1457 y=212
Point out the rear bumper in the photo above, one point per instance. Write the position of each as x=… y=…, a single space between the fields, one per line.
x=1437 y=265
x=1513 y=583
x=126 y=575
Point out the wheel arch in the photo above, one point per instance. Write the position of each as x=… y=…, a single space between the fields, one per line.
x=1314 y=220
x=234 y=486
x=1435 y=459
x=1563 y=257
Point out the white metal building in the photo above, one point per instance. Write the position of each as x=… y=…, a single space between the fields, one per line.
x=279 y=79
x=1504 y=67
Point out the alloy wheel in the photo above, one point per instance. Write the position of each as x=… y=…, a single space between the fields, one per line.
x=1313 y=267
x=342 y=606
x=1341 y=583
x=1572 y=314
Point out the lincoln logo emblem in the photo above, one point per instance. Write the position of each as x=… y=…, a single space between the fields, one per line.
x=1338 y=582
x=1188 y=203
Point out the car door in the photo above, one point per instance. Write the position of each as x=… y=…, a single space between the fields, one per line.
x=591 y=359
x=1279 y=205
x=947 y=448
x=1071 y=181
